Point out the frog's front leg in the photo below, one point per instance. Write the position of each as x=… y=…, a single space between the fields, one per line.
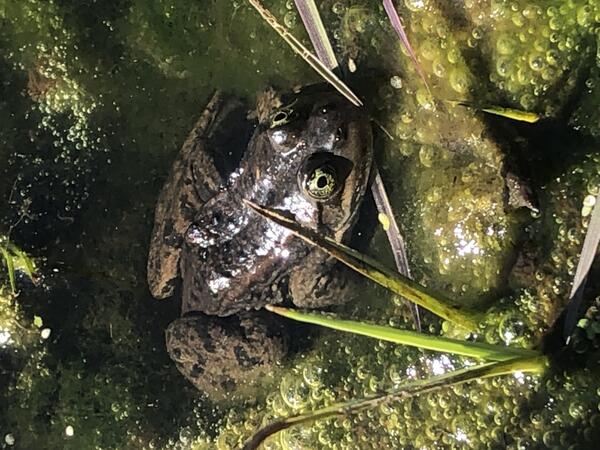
x=193 y=180
x=227 y=357
x=321 y=281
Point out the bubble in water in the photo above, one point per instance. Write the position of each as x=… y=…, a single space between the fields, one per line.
x=424 y=99
x=505 y=45
x=426 y=155
x=527 y=101
x=297 y=438
x=396 y=82
x=511 y=329
x=227 y=440
x=294 y=392
x=9 y=439
x=312 y=375
x=438 y=69
x=577 y=410
x=536 y=61
x=458 y=81
x=477 y=33
x=584 y=16
x=551 y=438
x=415 y=5
x=502 y=67
x=186 y=435
x=589 y=83
x=290 y=19
x=338 y=8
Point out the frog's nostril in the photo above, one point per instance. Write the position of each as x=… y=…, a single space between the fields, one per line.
x=340 y=134
x=325 y=109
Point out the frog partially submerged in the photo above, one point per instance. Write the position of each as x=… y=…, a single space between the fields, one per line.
x=309 y=157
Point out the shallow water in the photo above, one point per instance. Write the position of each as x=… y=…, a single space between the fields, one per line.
x=96 y=98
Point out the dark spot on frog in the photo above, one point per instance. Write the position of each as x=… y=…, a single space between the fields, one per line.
x=197 y=369
x=232 y=262
x=244 y=359
x=228 y=384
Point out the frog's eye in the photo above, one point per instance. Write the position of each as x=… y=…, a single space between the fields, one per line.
x=321 y=183
x=323 y=174
x=280 y=117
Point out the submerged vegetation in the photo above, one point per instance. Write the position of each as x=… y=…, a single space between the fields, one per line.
x=96 y=98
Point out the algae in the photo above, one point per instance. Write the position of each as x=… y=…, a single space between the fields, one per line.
x=95 y=100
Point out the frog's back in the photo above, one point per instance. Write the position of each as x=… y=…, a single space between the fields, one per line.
x=234 y=260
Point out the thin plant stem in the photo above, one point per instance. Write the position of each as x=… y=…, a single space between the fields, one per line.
x=396 y=22
x=305 y=54
x=536 y=364
x=316 y=32
x=394 y=236
x=588 y=254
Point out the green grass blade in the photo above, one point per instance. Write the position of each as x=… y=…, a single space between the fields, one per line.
x=508 y=113
x=305 y=53
x=514 y=114
x=532 y=365
x=404 y=337
x=10 y=267
x=391 y=280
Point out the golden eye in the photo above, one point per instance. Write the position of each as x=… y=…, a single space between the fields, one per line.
x=322 y=183
x=279 y=118
x=322 y=175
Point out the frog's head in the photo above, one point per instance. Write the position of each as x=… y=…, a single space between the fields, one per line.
x=311 y=156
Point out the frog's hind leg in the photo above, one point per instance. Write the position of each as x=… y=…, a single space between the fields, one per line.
x=193 y=180
x=227 y=357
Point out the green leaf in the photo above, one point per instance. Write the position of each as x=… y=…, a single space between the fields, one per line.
x=437 y=343
x=37 y=321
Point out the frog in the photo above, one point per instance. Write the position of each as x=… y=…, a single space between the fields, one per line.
x=307 y=154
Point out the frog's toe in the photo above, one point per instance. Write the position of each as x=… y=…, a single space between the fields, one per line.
x=227 y=357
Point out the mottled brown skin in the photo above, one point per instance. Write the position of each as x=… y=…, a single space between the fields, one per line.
x=231 y=261
x=193 y=180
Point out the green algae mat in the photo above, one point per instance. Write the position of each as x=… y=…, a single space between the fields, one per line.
x=96 y=98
